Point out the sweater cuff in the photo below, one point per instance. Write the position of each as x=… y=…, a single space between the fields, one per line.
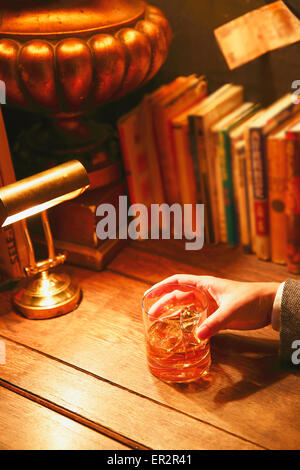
x=276 y=312
x=290 y=322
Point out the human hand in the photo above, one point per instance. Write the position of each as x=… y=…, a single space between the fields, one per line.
x=232 y=305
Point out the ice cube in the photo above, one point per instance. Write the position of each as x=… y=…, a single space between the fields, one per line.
x=189 y=320
x=166 y=334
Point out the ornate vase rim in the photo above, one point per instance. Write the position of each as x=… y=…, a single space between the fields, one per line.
x=59 y=19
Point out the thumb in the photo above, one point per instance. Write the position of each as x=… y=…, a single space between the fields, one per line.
x=215 y=323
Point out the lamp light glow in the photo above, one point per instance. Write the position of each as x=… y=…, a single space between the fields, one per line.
x=39 y=208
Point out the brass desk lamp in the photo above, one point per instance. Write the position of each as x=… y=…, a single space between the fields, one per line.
x=44 y=294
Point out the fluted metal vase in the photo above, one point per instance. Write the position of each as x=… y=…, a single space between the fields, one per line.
x=65 y=58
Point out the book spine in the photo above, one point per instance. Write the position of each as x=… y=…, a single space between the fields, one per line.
x=243 y=200
x=189 y=97
x=219 y=152
x=227 y=181
x=235 y=179
x=166 y=160
x=293 y=202
x=9 y=258
x=250 y=195
x=277 y=178
x=199 y=153
x=260 y=193
x=147 y=128
x=14 y=256
x=214 y=116
x=174 y=193
x=135 y=160
x=212 y=184
x=195 y=160
x=186 y=178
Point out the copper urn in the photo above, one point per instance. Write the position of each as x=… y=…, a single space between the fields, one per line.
x=65 y=58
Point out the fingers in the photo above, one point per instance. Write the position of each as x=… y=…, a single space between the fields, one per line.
x=208 y=284
x=171 y=300
x=179 y=279
x=216 y=322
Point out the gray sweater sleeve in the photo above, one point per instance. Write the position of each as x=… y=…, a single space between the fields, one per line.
x=290 y=320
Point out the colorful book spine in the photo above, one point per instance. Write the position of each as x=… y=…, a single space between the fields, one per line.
x=293 y=201
x=278 y=113
x=260 y=193
x=224 y=152
x=277 y=179
x=204 y=119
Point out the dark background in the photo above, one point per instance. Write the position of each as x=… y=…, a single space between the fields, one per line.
x=195 y=50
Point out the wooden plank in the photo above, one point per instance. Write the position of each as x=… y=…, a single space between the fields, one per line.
x=151 y=268
x=108 y=408
x=104 y=336
x=25 y=425
x=217 y=260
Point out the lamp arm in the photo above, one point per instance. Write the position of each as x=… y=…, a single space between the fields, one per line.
x=34 y=267
x=31 y=255
x=48 y=235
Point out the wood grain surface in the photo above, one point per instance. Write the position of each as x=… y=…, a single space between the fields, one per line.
x=25 y=425
x=115 y=411
x=90 y=365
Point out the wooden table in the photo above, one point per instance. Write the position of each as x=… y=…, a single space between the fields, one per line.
x=81 y=381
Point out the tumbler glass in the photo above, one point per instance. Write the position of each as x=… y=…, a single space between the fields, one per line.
x=172 y=314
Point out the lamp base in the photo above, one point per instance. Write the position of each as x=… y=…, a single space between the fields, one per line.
x=47 y=296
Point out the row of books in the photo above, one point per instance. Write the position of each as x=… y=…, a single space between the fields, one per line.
x=181 y=145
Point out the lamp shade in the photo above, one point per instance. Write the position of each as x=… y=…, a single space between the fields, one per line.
x=40 y=192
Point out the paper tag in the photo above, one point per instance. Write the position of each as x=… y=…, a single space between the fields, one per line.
x=260 y=31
